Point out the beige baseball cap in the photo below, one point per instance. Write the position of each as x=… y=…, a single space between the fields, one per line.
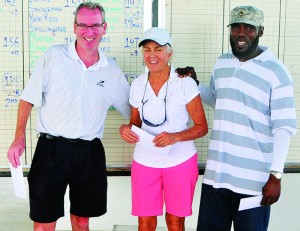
x=247 y=14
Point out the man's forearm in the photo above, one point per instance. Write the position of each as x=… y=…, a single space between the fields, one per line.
x=280 y=149
x=23 y=115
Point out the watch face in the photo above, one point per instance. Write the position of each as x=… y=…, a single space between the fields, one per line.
x=278 y=175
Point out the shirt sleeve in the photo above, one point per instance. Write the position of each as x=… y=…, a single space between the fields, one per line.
x=136 y=92
x=207 y=95
x=122 y=97
x=33 y=91
x=283 y=114
x=189 y=88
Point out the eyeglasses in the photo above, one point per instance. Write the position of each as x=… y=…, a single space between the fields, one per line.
x=144 y=102
x=94 y=27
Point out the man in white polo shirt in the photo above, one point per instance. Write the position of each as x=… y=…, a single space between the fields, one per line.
x=72 y=87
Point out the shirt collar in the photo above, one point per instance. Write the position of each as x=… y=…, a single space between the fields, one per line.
x=265 y=55
x=103 y=62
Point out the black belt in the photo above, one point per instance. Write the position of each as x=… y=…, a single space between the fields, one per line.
x=60 y=138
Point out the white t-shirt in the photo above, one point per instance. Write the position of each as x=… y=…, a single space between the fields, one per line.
x=179 y=92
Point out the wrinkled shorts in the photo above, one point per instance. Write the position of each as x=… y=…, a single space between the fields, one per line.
x=174 y=186
x=57 y=164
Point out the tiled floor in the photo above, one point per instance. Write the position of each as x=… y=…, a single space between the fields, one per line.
x=13 y=211
x=134 y=228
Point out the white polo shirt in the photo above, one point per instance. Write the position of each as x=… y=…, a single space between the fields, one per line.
x=180 y=91
x=72 y=100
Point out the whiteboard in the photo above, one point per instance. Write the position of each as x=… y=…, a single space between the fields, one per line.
x=199 y=32
x=29 y=28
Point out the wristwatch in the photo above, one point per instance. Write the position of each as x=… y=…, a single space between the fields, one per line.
x=278 y=175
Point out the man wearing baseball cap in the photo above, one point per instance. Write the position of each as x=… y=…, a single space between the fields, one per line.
x=250 y=15
x=252 y=93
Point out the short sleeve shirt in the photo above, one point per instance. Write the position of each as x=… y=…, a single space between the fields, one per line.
x=178 y=92
x=72 y=100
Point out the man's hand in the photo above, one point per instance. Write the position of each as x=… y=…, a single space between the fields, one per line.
x=17 y=147
x=187 y=71
x=271 y=191
x=15 y=151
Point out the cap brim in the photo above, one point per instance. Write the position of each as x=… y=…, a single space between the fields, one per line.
x=144 y=41
x=243 y=21
x=147 y=40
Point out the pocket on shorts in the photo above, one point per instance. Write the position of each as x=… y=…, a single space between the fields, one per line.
x=40 y=160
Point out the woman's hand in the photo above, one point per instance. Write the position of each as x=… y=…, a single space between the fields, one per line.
x=128 y=135
x=165 y=139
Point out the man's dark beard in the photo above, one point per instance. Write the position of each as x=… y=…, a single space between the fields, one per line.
x=247 y=52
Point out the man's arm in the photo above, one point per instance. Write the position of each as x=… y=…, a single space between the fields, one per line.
x=272 y=189
x=207 y=95
x=17 y=147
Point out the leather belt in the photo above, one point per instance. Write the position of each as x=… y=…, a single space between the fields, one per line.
x=60 y=138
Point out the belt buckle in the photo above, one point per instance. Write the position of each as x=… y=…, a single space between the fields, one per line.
x=73 y=140
x=49 y=137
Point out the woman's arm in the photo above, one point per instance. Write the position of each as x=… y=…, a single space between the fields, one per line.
x=199 y=129
x=125 y=129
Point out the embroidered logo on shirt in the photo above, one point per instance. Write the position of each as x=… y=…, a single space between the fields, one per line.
x=101 y=83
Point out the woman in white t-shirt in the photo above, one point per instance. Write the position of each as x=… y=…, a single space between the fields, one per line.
x=165 y=167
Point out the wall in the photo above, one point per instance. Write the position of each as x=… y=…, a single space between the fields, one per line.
x=198 y=29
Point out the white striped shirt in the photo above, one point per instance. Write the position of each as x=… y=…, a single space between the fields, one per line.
x=254 y=99
x=72 y=100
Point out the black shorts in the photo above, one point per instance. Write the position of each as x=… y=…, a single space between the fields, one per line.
x=57 y=164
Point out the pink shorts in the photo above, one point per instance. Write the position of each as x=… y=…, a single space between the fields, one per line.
x=175 y=186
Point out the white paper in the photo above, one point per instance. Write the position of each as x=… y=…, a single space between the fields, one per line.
x=18 y=181
x=146 y=141
x=250 y=202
